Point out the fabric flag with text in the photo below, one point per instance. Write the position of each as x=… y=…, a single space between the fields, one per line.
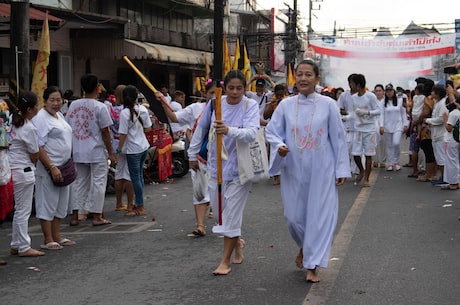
x=40 y=73
x=227 y=59
x=237 y=55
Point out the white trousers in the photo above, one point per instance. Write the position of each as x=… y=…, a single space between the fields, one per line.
x=234 y=198
x=23 y=196
x=452 y=162
x=88 y=190
x=393 y=146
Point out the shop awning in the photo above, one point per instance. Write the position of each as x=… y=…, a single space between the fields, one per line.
x=146 y=50
x=34 y=14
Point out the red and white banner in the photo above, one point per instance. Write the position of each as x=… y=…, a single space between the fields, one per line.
x=382 y=47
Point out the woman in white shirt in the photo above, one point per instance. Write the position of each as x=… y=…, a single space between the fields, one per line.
x=393 y=122
x=134 y=122
x=23 y=155
x=55 y=149
x=238 y=122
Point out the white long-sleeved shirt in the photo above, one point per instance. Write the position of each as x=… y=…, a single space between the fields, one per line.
x=393 y=118
x=436 y=121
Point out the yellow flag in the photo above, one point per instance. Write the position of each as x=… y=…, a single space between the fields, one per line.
x=40 y=74
x=227 y=60
x=246 y=64
x=237 y=55
x=290 y=76
x=207 y=68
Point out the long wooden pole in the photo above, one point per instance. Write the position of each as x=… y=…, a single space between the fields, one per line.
x=218 y=111
x=147 y=82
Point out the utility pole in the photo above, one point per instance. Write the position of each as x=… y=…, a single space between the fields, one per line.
x=218 y=69
x=19 y=45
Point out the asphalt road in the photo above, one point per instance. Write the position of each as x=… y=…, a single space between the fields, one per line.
x=397 y=243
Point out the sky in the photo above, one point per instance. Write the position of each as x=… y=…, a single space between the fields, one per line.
x=360 y=15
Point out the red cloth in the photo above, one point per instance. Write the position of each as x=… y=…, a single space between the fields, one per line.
x=165 y=158
x=6 y=199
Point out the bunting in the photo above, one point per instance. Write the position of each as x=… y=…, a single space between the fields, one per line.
x=40 y=73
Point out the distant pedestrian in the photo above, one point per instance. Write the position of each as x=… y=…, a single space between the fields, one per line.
x=55 y=141
x=91 y=142
x=366 y=108
x=134 y=122
x=23 y=155
x=393 y=123
x=309 y=147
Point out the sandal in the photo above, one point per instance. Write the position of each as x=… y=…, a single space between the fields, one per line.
x=123 y=207
x=131 y=213
x=198 y=231
x=140 y=210
x=51 y=246
x=101 y=222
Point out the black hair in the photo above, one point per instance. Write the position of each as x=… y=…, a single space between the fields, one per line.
x=209 y=85
x=279 y=87
x=419 y=88
x=129 y=100
x=394 y=99
x=311 y=63
x=89 y=83
x=358 y=80
x=379 y=85
x=48 y=91
x=25 y=101
x=234 y=74
x=439 y=90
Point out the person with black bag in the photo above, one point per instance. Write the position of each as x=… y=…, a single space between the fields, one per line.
x=55 y=149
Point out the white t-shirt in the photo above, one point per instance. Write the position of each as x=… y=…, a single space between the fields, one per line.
x=135 y=142
x=417 y=106
x=261 y=100
x=24 y=141
x=176 y=126
x=454 y=115
x=368 y=102
x=87 y=117
x=346 y=102
x=189 y=114
x=54 y=135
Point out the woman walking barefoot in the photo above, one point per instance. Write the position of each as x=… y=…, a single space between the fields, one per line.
x=308 y=146
x=240 y=121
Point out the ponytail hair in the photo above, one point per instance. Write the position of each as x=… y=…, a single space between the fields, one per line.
x=129 y=100
x=25 y=101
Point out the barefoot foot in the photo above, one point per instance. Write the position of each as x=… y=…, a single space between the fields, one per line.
x=239 y=257
x=311 y=276
x=222 y=270
x=299 y=259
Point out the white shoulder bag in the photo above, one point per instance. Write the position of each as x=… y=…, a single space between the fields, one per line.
x=252 y=157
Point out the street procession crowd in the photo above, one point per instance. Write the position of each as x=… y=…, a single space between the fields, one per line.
x=315 y=138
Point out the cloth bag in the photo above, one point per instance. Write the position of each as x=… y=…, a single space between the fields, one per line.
x=68 y=172
x=5 y=170
x=200 y=182
x=252 y=159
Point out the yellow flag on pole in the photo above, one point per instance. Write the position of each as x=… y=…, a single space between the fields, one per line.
x=227 y=60
x=246 y=64
x=40 y=74
x=237 y=55
x=290 y=76
x=207 y=68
